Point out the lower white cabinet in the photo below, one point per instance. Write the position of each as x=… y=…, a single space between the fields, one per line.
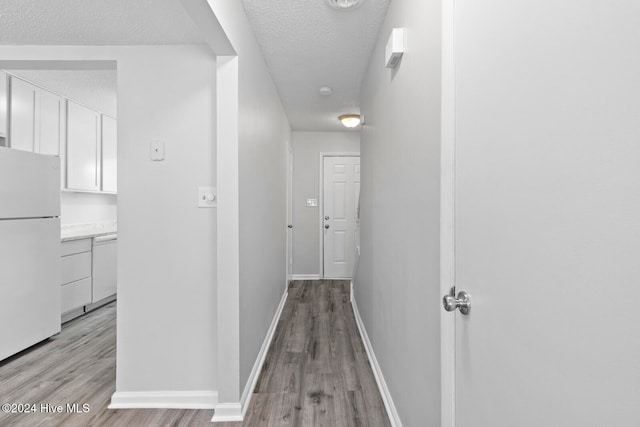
x=75 y=295
x=75 y=274
x=88 y=274
x=105 y=254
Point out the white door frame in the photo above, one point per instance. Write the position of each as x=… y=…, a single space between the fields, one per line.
x=447 y=215
x=289 y=214
x=321 y=201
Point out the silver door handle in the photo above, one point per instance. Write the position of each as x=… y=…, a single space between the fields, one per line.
x=290 y=226
x=462 y=302
x=326 y=226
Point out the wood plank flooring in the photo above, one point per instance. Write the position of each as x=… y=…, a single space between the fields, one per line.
x=316 y=372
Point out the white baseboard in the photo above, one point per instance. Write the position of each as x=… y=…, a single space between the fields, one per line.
x=225 y=412
x=164 y=399
x=305 y=277
x=394 y=418
x=351 y=297
x=262 y=354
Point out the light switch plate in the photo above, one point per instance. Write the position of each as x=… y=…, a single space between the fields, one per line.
x=207 y=197
x=157 y=150
x=312 y=203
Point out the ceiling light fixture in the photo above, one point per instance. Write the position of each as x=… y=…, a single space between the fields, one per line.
x=325 y=91
x=343 y=4
x=349 y=120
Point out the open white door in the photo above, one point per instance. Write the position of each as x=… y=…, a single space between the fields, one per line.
x=341 y=183
x=547 y=217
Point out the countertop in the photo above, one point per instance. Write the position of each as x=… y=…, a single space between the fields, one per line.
x=85 y=231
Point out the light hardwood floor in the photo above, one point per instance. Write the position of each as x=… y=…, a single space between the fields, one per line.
x=316 y=372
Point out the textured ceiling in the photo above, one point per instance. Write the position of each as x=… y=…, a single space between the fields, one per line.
x=93 y=88
x=96 y=22
x=308 y=45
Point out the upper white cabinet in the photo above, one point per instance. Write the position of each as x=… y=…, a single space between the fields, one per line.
x=22 y=115
x=36 y=118
x=51 y=119
x=109 y=154
x=43 y=122
x=83 y=148
x=3 y=108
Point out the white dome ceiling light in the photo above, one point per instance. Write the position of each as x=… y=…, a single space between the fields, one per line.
x=350 y=120
x=325 y=91
x=344 y=4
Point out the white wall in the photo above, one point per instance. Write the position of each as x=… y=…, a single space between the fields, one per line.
x=167 y=251
x=167 y=246
x=397 y=284
x=264 y=134
x=81 y=208
x=307 y=147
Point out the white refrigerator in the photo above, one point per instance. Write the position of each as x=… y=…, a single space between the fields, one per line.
x=29 y=249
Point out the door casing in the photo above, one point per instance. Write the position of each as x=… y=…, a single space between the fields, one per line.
x=447 y=215
x=321 y=202
x=289 y=231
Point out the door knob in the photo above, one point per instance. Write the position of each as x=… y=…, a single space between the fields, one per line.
x=326 y=226
x=290 y=226
x=326 y=218
x=461 y=302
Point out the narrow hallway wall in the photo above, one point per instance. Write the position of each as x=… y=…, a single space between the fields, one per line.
x=263 y=137
x=398 y=281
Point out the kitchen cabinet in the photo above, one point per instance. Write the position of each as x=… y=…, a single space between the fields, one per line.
x=105 y=254
x=88 y=273
x=43 y=122
x=3 y=109
x=49 y=135
x=75 y=274
x=109 y=154
x=22 y=115
x=36 y=118
x=83 y=148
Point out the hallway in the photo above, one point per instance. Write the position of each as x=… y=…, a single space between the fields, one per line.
x=316 y=372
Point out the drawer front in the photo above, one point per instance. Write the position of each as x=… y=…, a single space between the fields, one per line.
x=75 y=295
x=75 y=246
x=75 y=267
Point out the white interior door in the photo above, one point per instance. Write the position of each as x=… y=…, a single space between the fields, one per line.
x=548 y=213
x=341 y=184
x=289 y=215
